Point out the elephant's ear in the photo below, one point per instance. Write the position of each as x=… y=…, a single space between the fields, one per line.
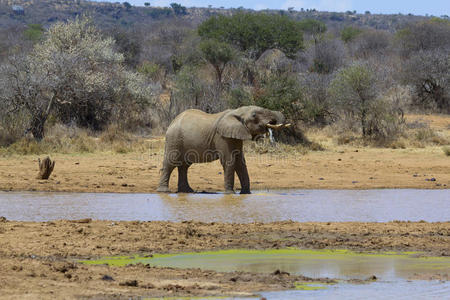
x=231 y=126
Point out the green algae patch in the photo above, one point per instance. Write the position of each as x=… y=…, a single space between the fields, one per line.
x=308 y=287
x=311 y=285
x=342 y=264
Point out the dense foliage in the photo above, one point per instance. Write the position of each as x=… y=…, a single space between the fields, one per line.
x=255 y=33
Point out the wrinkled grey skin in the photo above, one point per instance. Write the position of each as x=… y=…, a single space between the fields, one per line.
x=197 y=137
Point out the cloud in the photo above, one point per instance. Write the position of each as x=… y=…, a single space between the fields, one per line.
x=260 y=6
x=322 y=5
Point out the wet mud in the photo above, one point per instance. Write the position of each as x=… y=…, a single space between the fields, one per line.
x=40 y=259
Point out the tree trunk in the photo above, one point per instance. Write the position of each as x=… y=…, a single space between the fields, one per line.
x=45 y=168
x=37 y=128
x=363 y=123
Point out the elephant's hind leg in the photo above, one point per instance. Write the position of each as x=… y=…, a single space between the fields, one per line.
x=167 y=169
x=183 y=185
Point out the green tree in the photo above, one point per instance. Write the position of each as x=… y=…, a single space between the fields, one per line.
x=314 y=28
x=127 y=5
x=218 y=54
x=255 y=33
x=178 y=9
x=34 y=32
x=349 y=33
x=354 y=91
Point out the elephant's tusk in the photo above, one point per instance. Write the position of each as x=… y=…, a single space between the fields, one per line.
x=278 y=126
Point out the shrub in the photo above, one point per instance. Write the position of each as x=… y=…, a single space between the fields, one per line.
x=446 y=150
x=353 y=89
x=427 y=72
x=281 y=93
x=76 y=75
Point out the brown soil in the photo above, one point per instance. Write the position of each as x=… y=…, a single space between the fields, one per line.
x=37 y=260
x=344 y=167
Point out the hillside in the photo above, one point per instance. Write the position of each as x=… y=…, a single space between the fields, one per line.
x=107 y=14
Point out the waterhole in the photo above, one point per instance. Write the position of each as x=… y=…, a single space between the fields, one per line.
x=392 y=270
x=262 y=206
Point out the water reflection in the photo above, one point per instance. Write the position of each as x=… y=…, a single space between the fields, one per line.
x=296 y=205
x=310 y=263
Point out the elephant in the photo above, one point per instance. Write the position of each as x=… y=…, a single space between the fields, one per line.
x=198 y=137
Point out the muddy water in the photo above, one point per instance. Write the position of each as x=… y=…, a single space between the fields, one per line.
x=298 y=205
x=341 y=264
x=392 y=271
x=401 y=290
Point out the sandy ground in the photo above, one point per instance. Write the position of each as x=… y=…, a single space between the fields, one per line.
x=340 y=168
x=38 y=260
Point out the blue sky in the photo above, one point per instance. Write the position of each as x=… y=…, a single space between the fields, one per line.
x=432 y=7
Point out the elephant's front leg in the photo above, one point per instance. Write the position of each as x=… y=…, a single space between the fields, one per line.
x=228 y=170
x=183 y=184
x=241 y=170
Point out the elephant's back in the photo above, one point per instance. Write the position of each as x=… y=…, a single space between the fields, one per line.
x=194 y=118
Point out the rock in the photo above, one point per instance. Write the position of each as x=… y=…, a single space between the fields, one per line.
x=129 y=283
x=107 y=278
x=279 y=272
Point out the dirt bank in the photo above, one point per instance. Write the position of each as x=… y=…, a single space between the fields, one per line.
x=340 y=168
x=37 y=259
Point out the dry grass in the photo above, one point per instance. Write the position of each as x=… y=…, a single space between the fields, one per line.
x=63 y=139
x=420 y=132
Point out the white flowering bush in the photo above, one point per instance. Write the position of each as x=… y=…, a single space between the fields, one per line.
x=76 y=75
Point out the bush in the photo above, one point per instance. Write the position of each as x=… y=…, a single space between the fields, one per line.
x=422 y=36
x=446 y=150
x=281 y=93
x=76 y=75
x=353 y=90
x=385 y=122
x=349 y=33
x=428 y=73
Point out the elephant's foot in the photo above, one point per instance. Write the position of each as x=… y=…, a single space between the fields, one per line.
x=187 y=189
x=163 y=189
x=229 y=192
x=245 y=191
